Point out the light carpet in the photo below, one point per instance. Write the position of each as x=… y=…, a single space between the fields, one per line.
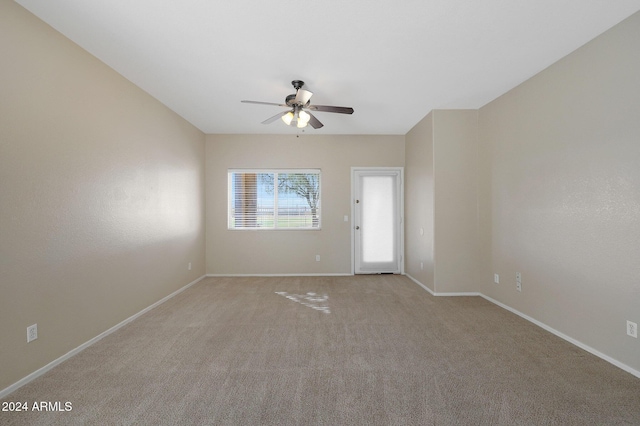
x=361 y=350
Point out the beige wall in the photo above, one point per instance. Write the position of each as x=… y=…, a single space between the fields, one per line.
x=441 y=199
x=455 y=200
x=101 y=196
x=418 y=201
x=565 y=194
x=290 y=252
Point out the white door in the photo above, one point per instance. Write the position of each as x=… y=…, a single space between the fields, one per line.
x=377 y=214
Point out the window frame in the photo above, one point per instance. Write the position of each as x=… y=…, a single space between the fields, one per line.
x=275 y=172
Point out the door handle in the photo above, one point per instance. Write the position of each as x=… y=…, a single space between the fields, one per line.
x=357 y=227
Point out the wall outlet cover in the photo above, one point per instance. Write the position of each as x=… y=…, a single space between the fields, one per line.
x=32 y=333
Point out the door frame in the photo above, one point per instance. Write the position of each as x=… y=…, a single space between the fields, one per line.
x=400 y=242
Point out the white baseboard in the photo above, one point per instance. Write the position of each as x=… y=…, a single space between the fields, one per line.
x=449 y=294
x=420 y=284
x=281 y=275
x=539 y=324
x=565 y=337
x=460 y=294
x=85 y=345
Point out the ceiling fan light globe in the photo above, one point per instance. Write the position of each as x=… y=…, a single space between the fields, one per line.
x=301 y=124
x=304 y=118
x=287 y=118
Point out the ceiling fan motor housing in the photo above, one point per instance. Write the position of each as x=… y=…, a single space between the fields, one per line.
x=290 y=100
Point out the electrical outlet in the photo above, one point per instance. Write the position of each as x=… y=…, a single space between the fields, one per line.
x=632 y=329
x=518 y=281
x=496 y=278
x=421 y=265
x=317 y=258
x=32 y=333
x=189 y=267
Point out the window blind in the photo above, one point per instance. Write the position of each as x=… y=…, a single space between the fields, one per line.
x=274 y=199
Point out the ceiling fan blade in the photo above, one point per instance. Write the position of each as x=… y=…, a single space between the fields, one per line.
x=328 y=108
x=274 y=118
x=303 y=96
x=315 y=123
x=263 y=103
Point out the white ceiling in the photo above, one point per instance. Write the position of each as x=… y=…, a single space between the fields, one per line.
x=392 y=61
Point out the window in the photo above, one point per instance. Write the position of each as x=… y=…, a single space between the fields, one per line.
x=274 y=199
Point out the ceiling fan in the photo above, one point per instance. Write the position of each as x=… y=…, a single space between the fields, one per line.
x=300 y=107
